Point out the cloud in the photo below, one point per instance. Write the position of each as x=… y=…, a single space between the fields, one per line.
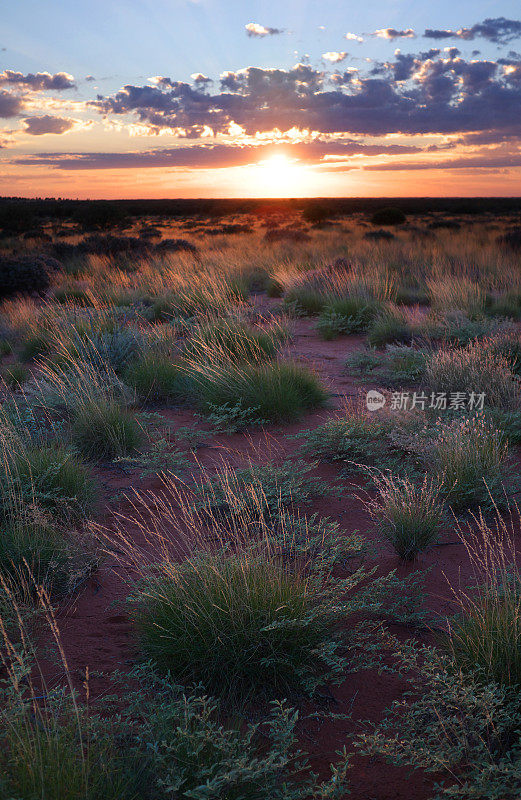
x=38 y=126
x=498 y=30
x=40 y=81
x=10 y=104
x=211 y=156
x=334 y=56
x=354 y=37
x=90 y=78
x=414 y=94
x=484 y=161
x=392 y=33
x=259 y=31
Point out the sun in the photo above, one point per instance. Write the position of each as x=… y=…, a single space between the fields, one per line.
x=280 y=176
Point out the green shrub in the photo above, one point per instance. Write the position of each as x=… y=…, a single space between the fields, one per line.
x=452 y=725
x=105 y=430
x=281 y=391
x=390 y=326
x=238 y=626
x=398 y=365
x=156 y=377
x=261 y=490
x=49 y=477
x=346 y=315
x=189 y=752
x=407 y=515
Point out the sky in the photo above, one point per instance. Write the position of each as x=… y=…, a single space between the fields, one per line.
x=222 y=98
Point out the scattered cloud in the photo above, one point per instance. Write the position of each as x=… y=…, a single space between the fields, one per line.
x=259 y=31
x=40 y=81
x=354 y=37
x=10 y=104
x=38 y=126
x=334 y=56
x=498 y=30
x=392 y=33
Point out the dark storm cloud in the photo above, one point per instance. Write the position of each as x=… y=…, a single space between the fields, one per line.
x=209 y=156
x=498 y=30
x=10 y=104
x=38 y=126
x=39 y=81
x=415 y=95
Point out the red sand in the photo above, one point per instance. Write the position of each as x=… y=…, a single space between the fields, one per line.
x=96 y=631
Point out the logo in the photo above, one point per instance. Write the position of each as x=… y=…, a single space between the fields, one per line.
x=374 y=400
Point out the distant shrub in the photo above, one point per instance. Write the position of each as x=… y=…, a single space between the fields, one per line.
x=286 y=235
x=316 y=213
x=23 y=276
x=175 y=246
x=388 y=216
x=379 y=236
x=511 y=239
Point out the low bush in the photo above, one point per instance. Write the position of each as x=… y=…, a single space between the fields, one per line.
x=50 y=478
x=469 y=458
x=306 y=300
x=233 y=340
x=407 y=515
x=34 y=552
x=105 y=430
x=157 y=377
x=281 y=391
x=398 y=365
x=23 y=276
x=238 y=626
x=390 y=326
x=346 y=315
x=475 y=369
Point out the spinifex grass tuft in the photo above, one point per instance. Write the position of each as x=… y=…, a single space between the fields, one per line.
x=240 y=626
x=407 y=515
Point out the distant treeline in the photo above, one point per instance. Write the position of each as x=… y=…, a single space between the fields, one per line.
x=21 y=214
